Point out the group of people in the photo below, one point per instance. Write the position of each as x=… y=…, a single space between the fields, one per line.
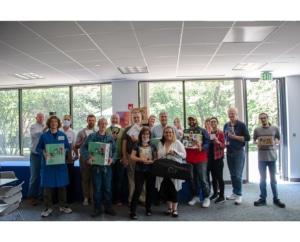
x=102 y=184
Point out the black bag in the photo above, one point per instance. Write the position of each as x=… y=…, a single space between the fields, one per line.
x=172 y=169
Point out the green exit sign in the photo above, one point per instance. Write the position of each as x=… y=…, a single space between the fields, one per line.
x=266 y=76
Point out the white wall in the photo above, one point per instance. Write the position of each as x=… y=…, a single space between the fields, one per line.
x=293 y=127
x=124 y=93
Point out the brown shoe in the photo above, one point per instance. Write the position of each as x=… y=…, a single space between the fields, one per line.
x=110 y=212
x=32 y=202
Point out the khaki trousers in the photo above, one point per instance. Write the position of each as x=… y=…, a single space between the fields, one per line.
x=86 y=179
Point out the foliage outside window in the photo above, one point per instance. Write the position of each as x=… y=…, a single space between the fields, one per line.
x=9 y=123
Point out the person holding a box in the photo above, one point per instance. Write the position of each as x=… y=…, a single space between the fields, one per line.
x=55 y=174
x=267 y=156
x=143 y=153
x=101 y=173
x=197 y=156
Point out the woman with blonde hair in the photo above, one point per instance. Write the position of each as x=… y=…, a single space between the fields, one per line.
x=177 y=124
x=171 y=148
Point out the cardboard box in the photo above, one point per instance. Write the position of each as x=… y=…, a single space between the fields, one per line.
x=191 y=139
x=55 y=154
x=99 y=151
x=144 y=112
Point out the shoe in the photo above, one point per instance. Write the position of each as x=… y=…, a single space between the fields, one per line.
x=65 y=209
x=46 y=212
x=206 y=202
x=168 y=212
x=231 y=197
x=133 y=216
x=260 y=202
x=148 y=212
x=32 y=202
x=278 y=203
x=194 y=200
x=220 y=199
x=238 y=200
x=95 y=213
x=175 y=214
x=214 y=196
x=118 y=202
x=85 y=201
x=142 y=203
x=110 y=212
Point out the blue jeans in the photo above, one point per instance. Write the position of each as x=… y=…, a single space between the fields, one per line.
x=34 y=190
x=262 y=167
x=236 y=163
x=200 y=179
x=101 y=177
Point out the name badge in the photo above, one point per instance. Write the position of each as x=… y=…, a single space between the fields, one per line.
x=61 y=137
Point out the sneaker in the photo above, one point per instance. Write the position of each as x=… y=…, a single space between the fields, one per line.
x=214 y=196
x=65 y=209
x=206 y=202
x=231 y=197
x=220 y=199
x=278 y=203
x=194 y=200
x=238 y=200
x=110 y=212
x=32 y=202
x=118 y=202
x=46 y=212
x=85 y=201
x=260 y=202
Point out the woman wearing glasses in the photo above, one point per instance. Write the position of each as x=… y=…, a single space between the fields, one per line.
x=143 y=153
x=171 y=148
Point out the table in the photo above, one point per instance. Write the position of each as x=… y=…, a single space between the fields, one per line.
x=4 y=181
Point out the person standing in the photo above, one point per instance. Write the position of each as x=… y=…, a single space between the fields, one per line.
x=171 y=148
x=267 y=156
x=117 y=168
x=86 y=181
x=215 y=160
x=128 y=143
x=198 y=158
x=236 y=136
x=35 y=192
x=54 y=175
x=144 y=153
x=151 y=120
x=177 y=124
x=71 y=156
x=101 y=174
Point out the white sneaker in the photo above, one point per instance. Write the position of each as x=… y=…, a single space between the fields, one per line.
x=238 y=200
x=46 y=212
x=85 y=201
x=194 y=200
x=206 y=202
x=65 y=209
x=231 y=197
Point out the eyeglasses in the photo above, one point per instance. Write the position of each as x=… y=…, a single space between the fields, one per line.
x=168 y=132
x=146 y=134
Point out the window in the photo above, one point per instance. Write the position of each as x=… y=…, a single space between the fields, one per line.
x=9 y=123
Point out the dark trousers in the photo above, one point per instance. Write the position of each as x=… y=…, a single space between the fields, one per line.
x=139 y=179
x=169 y=190
x=117 y=180
x=216 y=169
x=71 y=187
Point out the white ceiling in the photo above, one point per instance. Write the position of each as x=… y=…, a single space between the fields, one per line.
x=69 y=52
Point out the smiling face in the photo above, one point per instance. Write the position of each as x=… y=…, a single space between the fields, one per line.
x=232 y=115
x=264 y=119
x=163 y=118
x=115 y=119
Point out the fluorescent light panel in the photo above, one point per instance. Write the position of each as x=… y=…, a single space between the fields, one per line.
x=249 y=66
x=133 y=69
x=27 y=76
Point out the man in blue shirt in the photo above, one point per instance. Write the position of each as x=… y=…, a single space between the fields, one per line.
x=101 y=175
x=236 y=136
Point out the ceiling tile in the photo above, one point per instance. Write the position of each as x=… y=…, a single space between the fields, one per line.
x=203 y=35
x=86 y=55
x=159 y=37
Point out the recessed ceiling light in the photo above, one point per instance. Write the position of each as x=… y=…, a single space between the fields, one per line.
x=249 y=66
x=133 y=69
x=27 y=76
